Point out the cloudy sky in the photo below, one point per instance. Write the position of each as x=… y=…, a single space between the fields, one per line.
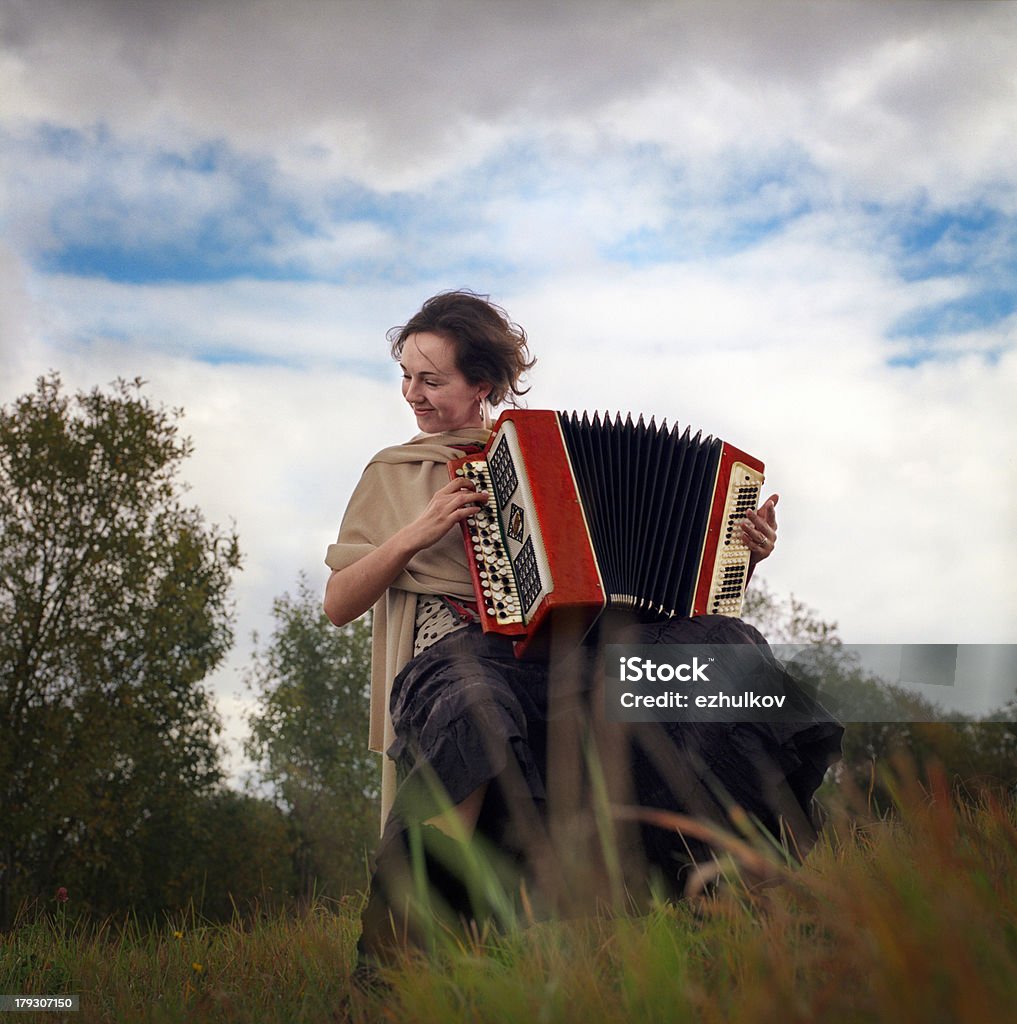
x=792 y=224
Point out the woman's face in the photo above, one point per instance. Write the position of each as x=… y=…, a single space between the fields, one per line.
x=440 y=396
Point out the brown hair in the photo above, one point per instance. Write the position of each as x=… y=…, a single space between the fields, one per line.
x=490 y=349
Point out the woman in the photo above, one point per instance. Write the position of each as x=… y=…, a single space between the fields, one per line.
x=467 y=729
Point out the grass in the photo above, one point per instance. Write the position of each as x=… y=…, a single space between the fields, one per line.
x=279 y=967
x=909 y=917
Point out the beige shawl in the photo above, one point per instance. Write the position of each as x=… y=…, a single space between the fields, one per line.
x=394 y=489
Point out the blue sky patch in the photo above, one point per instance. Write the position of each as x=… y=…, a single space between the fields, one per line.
x=749 y=202
x=973 y=312
x=229 y=356
x=928 y=242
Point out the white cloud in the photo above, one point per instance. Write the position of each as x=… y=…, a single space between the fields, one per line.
x=15 y=307
x=402 y=94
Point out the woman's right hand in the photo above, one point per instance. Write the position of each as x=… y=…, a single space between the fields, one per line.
x=450 y=505
x=351 y=591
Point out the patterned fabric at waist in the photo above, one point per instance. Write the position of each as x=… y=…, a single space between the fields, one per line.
x=437 y=617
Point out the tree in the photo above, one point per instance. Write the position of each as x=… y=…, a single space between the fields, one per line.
x=790 y=622
x=235 y=856
x=114 y=606
x=309 y=738
x=885 y=721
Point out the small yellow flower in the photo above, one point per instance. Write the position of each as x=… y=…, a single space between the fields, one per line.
x=197 y=968
x=178 y=935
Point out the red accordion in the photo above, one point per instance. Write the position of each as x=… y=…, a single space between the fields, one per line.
x=586 y=515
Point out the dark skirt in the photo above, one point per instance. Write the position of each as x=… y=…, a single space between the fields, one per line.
x=468 y=713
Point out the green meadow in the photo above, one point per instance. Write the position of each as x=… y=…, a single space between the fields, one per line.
x=906 y=915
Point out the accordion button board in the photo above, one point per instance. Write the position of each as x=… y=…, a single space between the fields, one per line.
x=498 y=593
x=504 y=538
x=727 y=582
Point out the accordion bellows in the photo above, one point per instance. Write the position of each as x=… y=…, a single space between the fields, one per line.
x=589 y=514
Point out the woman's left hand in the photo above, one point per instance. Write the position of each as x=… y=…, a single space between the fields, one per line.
x=759 y=530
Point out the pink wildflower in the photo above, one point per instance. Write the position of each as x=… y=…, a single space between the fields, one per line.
x=61 y=895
